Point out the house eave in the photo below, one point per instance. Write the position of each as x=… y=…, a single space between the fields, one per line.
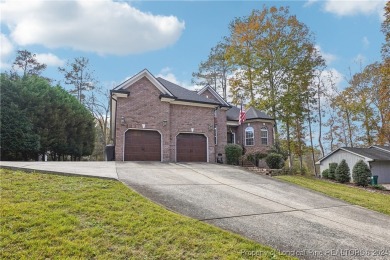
x=184 y=102
x=367 y=159
x=140 y=75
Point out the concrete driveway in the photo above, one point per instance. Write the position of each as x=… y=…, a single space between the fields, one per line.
x=291 y=219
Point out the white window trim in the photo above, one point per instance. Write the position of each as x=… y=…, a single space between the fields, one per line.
x=253 y=137
x=261 y=135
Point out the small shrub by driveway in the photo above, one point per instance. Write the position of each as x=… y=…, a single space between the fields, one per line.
x=59 y=217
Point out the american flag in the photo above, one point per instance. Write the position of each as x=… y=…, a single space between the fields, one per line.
x=242 y=116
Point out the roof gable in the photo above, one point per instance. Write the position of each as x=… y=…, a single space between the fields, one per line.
x=144 y=73
x=184 y=94
x=215 y=94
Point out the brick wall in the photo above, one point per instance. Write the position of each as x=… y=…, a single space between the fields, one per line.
x=221 y=131
x=208 y=94
x=143 y=106
x=183 y=118
x=257 y=125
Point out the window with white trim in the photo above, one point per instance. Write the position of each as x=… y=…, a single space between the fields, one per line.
x=264 y=135
x=249 y=136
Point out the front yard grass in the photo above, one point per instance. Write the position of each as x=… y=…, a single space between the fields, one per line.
x=372 y=200
x=58 y=217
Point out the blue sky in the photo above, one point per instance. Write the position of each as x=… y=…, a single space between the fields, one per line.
x=171 y=38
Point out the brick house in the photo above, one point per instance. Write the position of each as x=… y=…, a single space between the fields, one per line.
x=153 y=119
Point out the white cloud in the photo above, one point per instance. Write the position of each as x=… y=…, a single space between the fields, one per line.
x=353 y=7
x=360 y=59
x=6 y=49
x=332 y=79
x=167 y=74
x=329 y=58
x=310 y=2
x=49 y=59
x=365 y=42
x=104 y=26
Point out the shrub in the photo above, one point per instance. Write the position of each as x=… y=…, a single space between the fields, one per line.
x=259 y=155
x=233 y=153
x=332 y=171
x=342 y=172
x=361 y=173
x=255 y=157
x=274 y=160
x=325 y=174
x=251 y=157
x=378 y=187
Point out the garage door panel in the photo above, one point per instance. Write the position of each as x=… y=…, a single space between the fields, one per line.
x=142 y=145
x=191 y=148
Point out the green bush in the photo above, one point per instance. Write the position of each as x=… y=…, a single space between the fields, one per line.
x=251 y=157
x=361 y=173
x=332 y=171
x=274 y=160
x=325 y=174
x=255 y=157
x=378 y=187
x=233 y=153
x=342 y=172
x=259 y=155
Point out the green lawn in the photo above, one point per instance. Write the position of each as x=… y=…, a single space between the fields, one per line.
x=57 y=217
x=371 y=200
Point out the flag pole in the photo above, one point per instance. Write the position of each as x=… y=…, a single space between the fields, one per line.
x=242 y=135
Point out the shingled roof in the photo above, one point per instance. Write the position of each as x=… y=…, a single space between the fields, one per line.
x=252 y=113
x=184 y=94
x=373 y=153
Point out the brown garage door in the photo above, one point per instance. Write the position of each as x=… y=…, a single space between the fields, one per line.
x=141 y=145
x=191 y=148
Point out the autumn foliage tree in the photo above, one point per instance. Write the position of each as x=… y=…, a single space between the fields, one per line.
x=275 y=61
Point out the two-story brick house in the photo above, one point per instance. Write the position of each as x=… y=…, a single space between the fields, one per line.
x=153 y=119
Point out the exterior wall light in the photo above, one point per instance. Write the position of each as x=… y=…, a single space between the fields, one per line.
x=123 y=121
x=164 y=123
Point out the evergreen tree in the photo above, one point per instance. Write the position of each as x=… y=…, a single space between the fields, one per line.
x=361 y=173
x=342 y=172
x=332 y=171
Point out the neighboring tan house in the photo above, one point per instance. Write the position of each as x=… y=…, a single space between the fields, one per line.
x=376 y=157
x=156 y=120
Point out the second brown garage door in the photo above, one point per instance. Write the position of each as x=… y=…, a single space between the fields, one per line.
x=191 y=148
x=141 y=145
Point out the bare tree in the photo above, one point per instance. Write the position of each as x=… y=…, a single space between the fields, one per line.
x=79 y=75
x=27 y=62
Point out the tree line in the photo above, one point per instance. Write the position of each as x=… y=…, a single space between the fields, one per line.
x=38 y=118
x=270 y=61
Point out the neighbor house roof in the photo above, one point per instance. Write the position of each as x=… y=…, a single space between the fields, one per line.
x=382 y=147
x=372 y=153
x=184 y=94
x=252 y=113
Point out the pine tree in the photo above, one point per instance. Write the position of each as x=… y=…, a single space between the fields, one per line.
x=342 y=172
x=361 y=173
